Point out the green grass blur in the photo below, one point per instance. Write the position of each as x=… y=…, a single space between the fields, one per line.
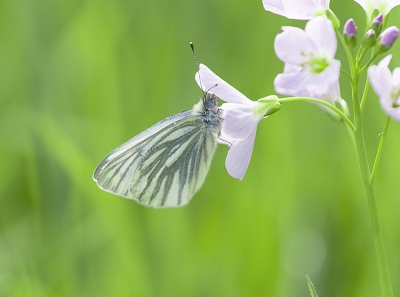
x=78 y=78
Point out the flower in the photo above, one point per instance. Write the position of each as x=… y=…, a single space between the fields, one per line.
x=297 y=9
x=241 y=117
x=387 y=86
x=308 y=55
x=383 y=6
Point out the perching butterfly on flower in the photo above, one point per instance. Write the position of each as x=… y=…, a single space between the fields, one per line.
x=165 y=165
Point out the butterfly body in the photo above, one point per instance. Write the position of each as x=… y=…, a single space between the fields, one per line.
x=165 y=165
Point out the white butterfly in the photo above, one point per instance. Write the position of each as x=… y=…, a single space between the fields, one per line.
x=165 y=165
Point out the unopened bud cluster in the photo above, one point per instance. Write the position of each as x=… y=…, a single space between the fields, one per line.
x=373 y=36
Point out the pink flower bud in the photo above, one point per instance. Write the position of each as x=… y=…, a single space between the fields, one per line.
x=389 y=36
x=369 y=39
x=350 y=28
x=376 y=24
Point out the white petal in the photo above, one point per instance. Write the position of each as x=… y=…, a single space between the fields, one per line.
x=239 y=156
x=290 y=45
x=321 y=83
x=365 y=4
x=274 y=6
x=305 y=9
x=386 y=104
x=322 y=36
x=384 y=6
x=396 y=78
x=369 y=5
x=292 y=82
x=297 y=10
x=210 y=82
x=239 y=121
x=291 y=67
x=333 y=97
x=392 y=3
x=302 y=82
x=381 y=77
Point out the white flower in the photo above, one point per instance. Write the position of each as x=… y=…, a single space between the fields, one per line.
x=241 y=117
x=308 y=54
x=297 y=9
x=383 y=6
x=387 y=85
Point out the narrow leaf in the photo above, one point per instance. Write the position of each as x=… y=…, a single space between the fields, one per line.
x=313 y=292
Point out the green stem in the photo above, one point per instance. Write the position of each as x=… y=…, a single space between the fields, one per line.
x=347 y=74
x=365 y=94
x=351 y=134
x=346 y=48
x=369 y=63
x=384 y=273
x=337 y=110
x=379 y=152
x=361 y=54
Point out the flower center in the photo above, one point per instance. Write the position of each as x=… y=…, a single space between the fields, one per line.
x=316 y=64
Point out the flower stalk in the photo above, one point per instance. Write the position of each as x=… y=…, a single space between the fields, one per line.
x=386 y=286
x=322 y=102
x=379 y=152
x=311 y=73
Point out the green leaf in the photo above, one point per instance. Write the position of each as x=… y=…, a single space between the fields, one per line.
x=313 y=292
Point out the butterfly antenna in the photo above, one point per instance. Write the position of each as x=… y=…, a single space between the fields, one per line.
x=194 y=55
x=198 y=67
x=216 y=85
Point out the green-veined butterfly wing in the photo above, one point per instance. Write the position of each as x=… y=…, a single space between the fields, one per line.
x=165 y=165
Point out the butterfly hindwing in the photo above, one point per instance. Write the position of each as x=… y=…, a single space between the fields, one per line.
x=163 y=166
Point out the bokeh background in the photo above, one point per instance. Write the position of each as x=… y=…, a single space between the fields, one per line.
x=78 y=78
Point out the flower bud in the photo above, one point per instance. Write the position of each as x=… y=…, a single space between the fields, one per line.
x=269 y=104
x=350 y=33
x=389 y=36
x=369 y=39
x=376 y=24
x=387 y=39
x=333 y=18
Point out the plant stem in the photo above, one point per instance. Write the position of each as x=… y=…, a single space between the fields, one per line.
x=346 y=48
x=379 y=152
x=365 y=94
x=365 y=67
x=347 y=74
x=386 y=286
x=337 y=110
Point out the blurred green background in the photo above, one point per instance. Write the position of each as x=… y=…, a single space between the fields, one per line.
x=78 y=78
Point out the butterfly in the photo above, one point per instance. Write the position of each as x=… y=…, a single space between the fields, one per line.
x=165 y=165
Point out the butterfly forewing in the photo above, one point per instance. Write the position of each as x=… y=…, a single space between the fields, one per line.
x=163 y=166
